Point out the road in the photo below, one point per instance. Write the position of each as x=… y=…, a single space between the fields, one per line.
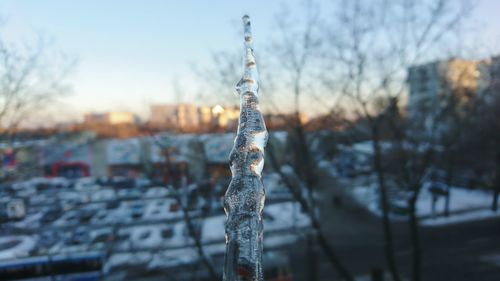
x=459 y=252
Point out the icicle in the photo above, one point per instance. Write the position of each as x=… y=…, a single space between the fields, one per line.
x=244 y=199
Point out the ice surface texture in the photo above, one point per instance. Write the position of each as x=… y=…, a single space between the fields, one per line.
x=245 y=195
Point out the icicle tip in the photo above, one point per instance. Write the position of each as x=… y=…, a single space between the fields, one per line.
x=246 y=19
x=247 y=27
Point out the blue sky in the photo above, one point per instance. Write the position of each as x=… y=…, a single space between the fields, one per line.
x=130 y=52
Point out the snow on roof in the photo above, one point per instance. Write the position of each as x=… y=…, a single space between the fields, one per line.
x=103 y=194
x=157 y=191
x=281 y=136
x=178 y=145
x=65 y=152
x=30 y=221
x=173 y=258
x=218 y=147
x=160 y=209
x=213 y=228
x=148 y=236
x=186 y=255
x=31 y=183
x=21 y=144
x=12 y=247
x=126 y=151
x=121 y=259
x=365 y=147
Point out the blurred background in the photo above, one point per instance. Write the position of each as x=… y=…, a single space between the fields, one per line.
x=117 y=119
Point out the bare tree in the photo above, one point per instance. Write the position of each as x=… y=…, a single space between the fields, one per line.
x=483 y=137
x=219 y=78
x=289 y=67
x=373 y=44
x=295 y=53
x=297 y=190
x=31 y=77
x=459 y=103
x=493 y=123
x=361 y=53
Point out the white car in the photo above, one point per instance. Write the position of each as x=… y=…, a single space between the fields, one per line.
x=155 y=192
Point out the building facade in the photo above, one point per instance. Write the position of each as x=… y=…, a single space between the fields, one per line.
x=191 y=118
x=433 y=86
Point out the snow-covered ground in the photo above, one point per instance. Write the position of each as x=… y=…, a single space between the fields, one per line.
x=461 y=217
x=460 y=200
x=465 y=205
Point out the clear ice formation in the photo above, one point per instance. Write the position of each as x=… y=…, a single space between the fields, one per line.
x=244 y=199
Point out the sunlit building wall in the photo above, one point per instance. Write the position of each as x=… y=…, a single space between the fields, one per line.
x=205 y=116
x=163 y=115
x=431 y=86
x=191 y=118
x=187 y=117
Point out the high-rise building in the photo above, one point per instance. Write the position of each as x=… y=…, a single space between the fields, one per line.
x=432 y=85
x=182 y=117
x=190 y=118
x=433 y=79
x=187 y=117
x=225 y=117
x=163 y=115
x=205 y=116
